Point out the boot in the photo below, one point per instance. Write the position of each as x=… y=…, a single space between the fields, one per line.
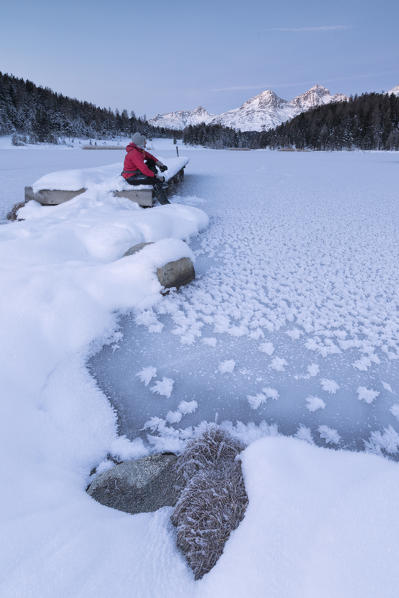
x=161 y=194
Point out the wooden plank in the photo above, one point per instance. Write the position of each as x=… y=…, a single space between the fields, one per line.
x=51 y=197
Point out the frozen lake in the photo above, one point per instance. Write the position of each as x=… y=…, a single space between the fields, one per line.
x=293 y=319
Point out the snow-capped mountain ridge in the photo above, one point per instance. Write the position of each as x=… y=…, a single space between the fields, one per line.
x=182 y=118
x=394 y=91
x=264 y=111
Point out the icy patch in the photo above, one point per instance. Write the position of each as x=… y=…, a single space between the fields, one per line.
x=312 y=281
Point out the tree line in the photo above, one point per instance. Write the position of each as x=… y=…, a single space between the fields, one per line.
x=38 y=114
x=369 y=121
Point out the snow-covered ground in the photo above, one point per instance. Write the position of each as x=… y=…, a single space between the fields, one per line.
x=301 y=248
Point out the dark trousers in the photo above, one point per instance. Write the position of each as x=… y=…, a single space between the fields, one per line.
x=142 y=179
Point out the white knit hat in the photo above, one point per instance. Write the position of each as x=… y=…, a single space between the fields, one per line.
x=139 y=139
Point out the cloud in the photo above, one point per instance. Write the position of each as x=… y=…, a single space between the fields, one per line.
x=311 y=29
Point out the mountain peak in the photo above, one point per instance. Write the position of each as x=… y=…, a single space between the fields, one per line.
x=318 y=87
x=394 y=91
x=315 y=96
x=264 y=99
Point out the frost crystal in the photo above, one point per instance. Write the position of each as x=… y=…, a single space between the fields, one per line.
x=163 y=387
x=367 y=394
x=226 y=367
x=147 y=374
x=314 y=403
x=329 y=385
x=329 y=435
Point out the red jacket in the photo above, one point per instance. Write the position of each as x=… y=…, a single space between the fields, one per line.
x=134 y=160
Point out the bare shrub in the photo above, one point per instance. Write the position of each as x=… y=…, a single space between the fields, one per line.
x=215 y=448
x=214 y=500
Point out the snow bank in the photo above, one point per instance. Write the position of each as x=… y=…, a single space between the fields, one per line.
x=318 y=523
x=63 y=281
x=107 y=177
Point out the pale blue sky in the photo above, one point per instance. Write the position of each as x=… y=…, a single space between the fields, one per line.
x=154 y=56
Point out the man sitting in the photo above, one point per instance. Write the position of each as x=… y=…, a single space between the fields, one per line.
x=140 y=167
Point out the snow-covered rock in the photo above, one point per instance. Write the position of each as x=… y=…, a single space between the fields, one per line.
x=139 y=486
x=176 y=273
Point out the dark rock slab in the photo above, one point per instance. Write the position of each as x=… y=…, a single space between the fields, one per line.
x=139 y=486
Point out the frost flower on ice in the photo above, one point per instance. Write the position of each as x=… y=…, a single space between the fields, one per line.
x=367 y=394
x=256 y=401
x=329 y=435
x=329 y=385
x=278 y=364
x=147 y=374
x=226 y=367
x=304 y=433
x=314 y=403
x=173 y=417
x=186 y=407
x=163 y=387
x=267 y=348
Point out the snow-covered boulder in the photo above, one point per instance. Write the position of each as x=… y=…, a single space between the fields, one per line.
x=139 y=486
x=173 y=274
x=176 y=273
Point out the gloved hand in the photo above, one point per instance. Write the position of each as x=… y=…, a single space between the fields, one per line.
x=162 y=167
x=159 y=177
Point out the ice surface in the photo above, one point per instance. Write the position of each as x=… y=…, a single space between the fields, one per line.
x=297 y=286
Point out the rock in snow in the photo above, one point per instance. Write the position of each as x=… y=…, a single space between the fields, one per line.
x=177 y=273
x=173 y=274
x=139 y=486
